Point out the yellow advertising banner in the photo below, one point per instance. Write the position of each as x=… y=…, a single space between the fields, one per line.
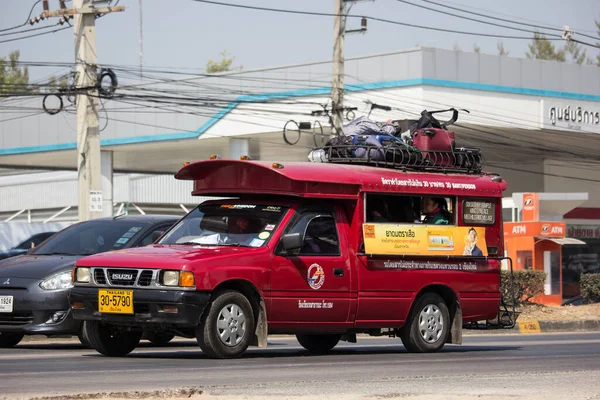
x=424 y=240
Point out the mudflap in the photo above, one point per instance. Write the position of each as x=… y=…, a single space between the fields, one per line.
x=262 y=329
x=456 y=329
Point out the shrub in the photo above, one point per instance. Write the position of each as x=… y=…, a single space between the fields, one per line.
x=528 y=284
x=590 y=287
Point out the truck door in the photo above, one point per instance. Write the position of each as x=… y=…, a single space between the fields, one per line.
x=312 y=284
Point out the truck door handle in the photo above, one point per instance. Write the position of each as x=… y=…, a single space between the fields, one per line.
x=338 y=271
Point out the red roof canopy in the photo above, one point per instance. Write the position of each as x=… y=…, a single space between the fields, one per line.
x=306 y=179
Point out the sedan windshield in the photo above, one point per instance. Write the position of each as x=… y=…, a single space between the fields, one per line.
x=227 y=224
x=92 y=237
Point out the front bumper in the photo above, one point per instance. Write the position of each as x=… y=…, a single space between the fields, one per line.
x=148 y=307
x=33 y=310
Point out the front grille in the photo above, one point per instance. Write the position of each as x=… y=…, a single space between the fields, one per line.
x=145 y=278
x=16 y=319
x=122 y=277
x=99 y=277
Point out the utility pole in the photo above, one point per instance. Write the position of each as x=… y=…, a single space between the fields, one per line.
x=337 y=84
x=88 y=136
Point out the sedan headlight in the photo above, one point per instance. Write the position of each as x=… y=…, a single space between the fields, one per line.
x=60 y=281
x=170 y=278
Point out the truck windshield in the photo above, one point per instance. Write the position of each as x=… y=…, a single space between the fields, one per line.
x=227 y=225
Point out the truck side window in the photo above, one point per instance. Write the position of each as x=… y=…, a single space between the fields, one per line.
x=319 y=231
x=321 y=237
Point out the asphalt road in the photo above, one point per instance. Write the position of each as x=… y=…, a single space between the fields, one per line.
x=544 y=366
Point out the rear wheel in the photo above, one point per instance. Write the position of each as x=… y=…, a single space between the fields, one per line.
x=111 y=340
x=318 y=343
x=10 y=339
x=159 y=338
x=227 y=326
x=427 y=326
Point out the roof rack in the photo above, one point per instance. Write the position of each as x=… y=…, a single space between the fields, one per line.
x=461 y=160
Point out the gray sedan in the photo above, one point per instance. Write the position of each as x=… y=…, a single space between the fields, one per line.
x=34 y=287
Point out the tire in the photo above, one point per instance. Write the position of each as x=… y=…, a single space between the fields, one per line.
x=110 y=340
x=159 y=339
x=83 y=338
x=10 y=339
x=428 y=325
x=227 y=327
x=318 y=344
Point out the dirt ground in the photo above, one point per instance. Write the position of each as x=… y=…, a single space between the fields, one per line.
x=559 y=313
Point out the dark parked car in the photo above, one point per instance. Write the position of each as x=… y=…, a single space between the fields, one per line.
x=25 y=245
x=34 y=287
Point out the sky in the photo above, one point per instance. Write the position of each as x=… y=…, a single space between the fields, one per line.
x=186 y=33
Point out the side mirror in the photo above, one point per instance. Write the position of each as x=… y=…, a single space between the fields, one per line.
x=292 y=241
x=156 y=235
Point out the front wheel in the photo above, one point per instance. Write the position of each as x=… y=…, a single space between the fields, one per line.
x=111 y=340
x=227 y=326
x=318 y=343
x=10 y=339
x=427 y=326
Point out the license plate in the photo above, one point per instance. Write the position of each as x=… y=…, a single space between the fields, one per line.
x=115 y=301
x=6 y=304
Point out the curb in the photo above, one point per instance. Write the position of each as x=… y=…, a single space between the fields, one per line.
x=540 y=326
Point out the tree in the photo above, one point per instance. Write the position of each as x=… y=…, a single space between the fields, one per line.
x=501 y=51
x=224 y=65
x=543 y=49
x=57 y=85
x=476 y=48
x=574 y=51
x=13 y=78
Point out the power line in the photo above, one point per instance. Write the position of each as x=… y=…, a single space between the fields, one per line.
x=471 y=19
x=35 y=35
x=502 y=19
x=367 y=17
x=26 y=21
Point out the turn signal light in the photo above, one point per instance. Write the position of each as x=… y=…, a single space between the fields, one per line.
x=277 y=165
x=244 y=158
x=186 y=279
x=186 y=163
x=214 y=157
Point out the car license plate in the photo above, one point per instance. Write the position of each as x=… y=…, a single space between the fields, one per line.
x=6 y=304
x=115 y=301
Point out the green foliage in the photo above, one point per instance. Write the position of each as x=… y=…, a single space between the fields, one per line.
x=501 y=50
x=476 y=48
x=590 y=287
x=224 y=65
x=528 y=284
x=13 y=78
x=543 y=49
x=574 y=51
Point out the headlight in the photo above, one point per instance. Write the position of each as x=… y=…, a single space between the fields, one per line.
x=60 y=281
x=170 y=278
x=83 y=275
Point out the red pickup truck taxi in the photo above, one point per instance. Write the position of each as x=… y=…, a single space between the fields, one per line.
x=324 y=251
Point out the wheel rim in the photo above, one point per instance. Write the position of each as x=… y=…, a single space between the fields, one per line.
x=231 y=325
x=431 y=323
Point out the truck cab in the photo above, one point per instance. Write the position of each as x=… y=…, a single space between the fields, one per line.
x=297 y=248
